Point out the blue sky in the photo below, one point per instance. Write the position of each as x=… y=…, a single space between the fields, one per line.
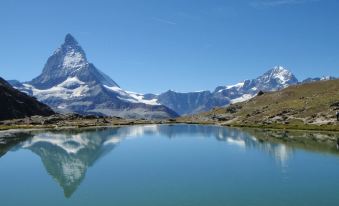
x=184 y=45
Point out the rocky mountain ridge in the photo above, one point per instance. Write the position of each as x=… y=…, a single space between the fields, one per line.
x=194 y=102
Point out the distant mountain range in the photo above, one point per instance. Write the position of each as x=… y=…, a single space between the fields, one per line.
x=15 y=104
x=324 y=78
x=69 y=83
x=195 y=102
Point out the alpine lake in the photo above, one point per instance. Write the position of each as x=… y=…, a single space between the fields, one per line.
x=174 y=165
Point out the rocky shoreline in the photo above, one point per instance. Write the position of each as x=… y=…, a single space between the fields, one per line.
x=58 y=121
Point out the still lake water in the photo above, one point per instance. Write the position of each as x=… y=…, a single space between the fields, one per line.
x=169 y=165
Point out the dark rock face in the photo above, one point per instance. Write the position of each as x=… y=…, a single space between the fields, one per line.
x=15 y=104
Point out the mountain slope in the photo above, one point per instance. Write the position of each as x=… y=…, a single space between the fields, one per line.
x=310 y=104
x=15 y=104
x=191 y=102
x=69 y=83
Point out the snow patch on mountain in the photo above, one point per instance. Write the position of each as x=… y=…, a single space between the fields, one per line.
x=117 y=90
x=74 y=60
x=141 y=98
x=70 y=88
x=241 y=84
x=71 y=82
x=243 y=98
x=132 y=97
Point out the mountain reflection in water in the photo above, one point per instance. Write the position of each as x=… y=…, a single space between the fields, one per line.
x=67 y=154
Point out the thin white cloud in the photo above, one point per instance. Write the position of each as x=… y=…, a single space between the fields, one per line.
x=166 y=21
x=276 y=3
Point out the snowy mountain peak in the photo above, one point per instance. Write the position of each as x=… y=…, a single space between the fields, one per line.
x=274 y=79
x=69 y=83
x=73 y=55
x=69 y=61
x=279 y=72
x=278 y=75
x=279 y=68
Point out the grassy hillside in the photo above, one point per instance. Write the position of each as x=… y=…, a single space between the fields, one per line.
x=307 y=106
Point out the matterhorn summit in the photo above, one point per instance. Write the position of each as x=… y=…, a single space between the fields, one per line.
x=70 y=83
x=69 y=61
